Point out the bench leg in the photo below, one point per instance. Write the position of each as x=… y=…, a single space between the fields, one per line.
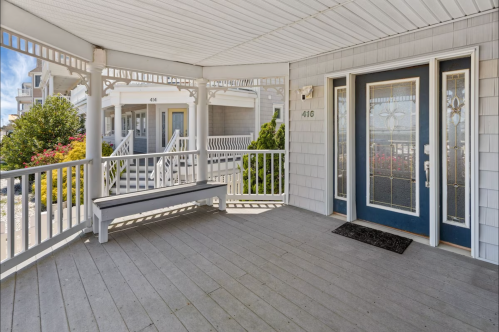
x=103 y=226
x=222 y=202
x=95 y=224
x=209 y=201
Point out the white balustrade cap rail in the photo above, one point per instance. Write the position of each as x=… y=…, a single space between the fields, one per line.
x=150 y=155
x=39 y=169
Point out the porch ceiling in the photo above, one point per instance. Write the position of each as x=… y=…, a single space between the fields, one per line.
x=213 y=33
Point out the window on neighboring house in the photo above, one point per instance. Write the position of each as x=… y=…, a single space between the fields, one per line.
x=38 y=101
x=279 y=108
x=140 y=124
x=38 y=80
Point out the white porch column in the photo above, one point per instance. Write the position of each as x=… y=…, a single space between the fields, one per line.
x=93 y=126
x=51 y=85
x=202 y=130
x=192 y=126
x=103 y=124
x=117 y=125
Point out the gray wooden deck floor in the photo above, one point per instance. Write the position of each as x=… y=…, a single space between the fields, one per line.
x=279 y=269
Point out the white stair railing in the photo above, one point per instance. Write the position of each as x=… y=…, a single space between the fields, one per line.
x=115 y=168
x=30 y=230
x=170 y=147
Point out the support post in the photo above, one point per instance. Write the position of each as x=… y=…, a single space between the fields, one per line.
x=51 y=85
x=192 y=126
x=117 y=125
x=93 y=125
x=103 y=124
x=202 y=130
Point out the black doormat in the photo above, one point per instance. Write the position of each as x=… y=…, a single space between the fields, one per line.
x=374 y=237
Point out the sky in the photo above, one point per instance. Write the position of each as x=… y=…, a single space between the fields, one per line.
x=14 y=71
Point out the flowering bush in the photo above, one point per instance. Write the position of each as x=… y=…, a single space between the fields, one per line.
x=76 y=151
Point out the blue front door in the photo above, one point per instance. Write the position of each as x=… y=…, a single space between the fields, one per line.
x=391 y=129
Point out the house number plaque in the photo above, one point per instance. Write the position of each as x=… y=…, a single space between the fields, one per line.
x=154 y=99
x=307 y=114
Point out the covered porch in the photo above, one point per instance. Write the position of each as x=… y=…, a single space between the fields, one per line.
x=258 y=267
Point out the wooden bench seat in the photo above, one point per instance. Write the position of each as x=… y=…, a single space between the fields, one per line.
x=106 y=209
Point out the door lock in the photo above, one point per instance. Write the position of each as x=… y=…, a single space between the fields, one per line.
x=427 y=171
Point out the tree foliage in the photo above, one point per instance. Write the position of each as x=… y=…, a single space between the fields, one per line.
x=41 y=128
x=268 y=139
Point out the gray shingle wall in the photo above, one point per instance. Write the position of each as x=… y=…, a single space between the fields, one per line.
x=307 y=135
x=267 y=105
x=227 y=120
x=151 y=128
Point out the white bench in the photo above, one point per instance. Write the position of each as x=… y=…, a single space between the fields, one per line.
x=106 y=209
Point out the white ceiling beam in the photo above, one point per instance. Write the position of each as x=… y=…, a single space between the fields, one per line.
x=19 y=20
x=152 y=65
x=246 y=71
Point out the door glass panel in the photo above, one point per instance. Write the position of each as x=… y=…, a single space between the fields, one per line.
x=144 y=124
x=137 y=125
x=455 y=137
x=178 y=122
x=392 y=145
x=341 y=142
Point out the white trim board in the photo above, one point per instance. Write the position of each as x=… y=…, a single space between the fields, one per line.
x=432 y=60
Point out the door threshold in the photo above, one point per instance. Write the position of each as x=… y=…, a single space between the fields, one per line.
x=391 y=230
x=415 y=237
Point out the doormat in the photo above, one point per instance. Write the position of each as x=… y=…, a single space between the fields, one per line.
x=374 y=237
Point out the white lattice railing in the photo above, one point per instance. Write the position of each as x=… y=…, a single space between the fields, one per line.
x=114 y=168
x=176 y=171
x=228 y=166
x=29 y=229
x=233 y=142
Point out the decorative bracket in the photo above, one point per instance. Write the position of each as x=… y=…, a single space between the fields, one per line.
x=278 y=88
x=193 y=92
x=109 y=83
x=213 y=91
x=84 y=78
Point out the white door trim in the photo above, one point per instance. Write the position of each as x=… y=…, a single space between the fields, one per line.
x=432 y=60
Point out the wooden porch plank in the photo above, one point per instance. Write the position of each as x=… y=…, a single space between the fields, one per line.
x=133 y=313
x=193 y=320
x=208 y=308
x=350 y=313
x=52 y=308
x=26 y=303
x=162 y=316
x=347 y=300
x=78 y=311
x=398 y=263
x=380 y=285
x=262 y=309
x=106 y=313
x=7 y=291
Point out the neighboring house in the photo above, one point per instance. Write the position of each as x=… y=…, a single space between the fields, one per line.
x=47 y=79
x=155 y=111
x=8 y=128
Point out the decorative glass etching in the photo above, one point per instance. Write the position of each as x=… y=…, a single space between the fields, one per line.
x=341 y=142
x=392 y=142
x=454 y=163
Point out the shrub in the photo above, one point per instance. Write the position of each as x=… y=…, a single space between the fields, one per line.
x=77 y=152
x=268 y=139
x=40 y=129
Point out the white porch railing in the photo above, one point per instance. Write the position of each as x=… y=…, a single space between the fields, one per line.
x=232 y=142
x=30 y=231
x=24 y=92
x=114 y=168
x=227 y=166
x=170 y=147
x=176 y=171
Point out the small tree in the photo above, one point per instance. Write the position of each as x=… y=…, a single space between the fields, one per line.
x=39 y=129
x=268 y=139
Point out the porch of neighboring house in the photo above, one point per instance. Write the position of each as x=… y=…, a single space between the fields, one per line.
x=258 y=267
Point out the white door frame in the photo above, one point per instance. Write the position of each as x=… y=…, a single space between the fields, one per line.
x=432 y=60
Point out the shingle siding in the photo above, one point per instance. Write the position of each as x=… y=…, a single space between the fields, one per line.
x=228 y=120
x=307 y=179
x=267 y=105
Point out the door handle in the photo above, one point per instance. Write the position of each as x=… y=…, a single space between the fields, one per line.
x=427 y=171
